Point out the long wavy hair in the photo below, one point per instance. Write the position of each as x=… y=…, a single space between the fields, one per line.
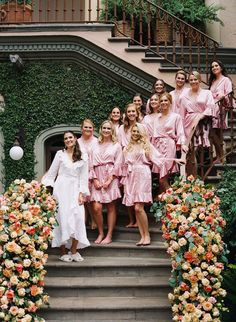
x=77 y=154
x=126 y=119
x=113 y=133
x=212 y=77
x=143 y=141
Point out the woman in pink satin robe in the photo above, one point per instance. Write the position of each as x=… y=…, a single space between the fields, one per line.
x=167 y=135
x=197 y=109
x=138 y=156
x=105 y=168
x=87 y=141
x=180 y=81
x=197 y=104
x=220 y=85
x=124 y=135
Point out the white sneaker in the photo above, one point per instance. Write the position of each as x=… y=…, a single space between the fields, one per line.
x=77 y=257
x=66 y=258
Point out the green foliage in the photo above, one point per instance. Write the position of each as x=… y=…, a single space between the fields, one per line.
x=229 y=283
x=44 y=95
x=18 y=1
x=226 y=191
x=194 y=12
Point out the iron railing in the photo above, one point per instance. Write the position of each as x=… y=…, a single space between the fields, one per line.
x=144 y=22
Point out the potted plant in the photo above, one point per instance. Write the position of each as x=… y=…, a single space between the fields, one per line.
x=194 y=12
x=13 y=11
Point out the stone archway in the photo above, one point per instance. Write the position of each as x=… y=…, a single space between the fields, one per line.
x=41 y=150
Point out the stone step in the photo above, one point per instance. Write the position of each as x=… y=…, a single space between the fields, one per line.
x=108 y=308
x=129 y=320
x=123 y=249
x=108 y=286
x=109 y=267
x=128 y=234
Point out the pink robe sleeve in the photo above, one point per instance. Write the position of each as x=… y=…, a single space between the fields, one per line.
x=92 y=174
x=181 y=139
x=210 y=104
x=117 y=169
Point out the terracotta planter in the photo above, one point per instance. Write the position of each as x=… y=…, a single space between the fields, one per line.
x=12 y=13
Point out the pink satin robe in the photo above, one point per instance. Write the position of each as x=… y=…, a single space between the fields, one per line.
x=106 y=161
x=192 y=108
x=165 y=136
x=219 y=89
x=137 y=179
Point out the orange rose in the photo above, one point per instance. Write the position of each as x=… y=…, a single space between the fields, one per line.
x=34 y=290
x=7 y=272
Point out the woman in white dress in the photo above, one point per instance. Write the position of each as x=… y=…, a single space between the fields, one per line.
x=68 y=175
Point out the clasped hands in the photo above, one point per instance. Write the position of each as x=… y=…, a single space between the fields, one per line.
x=105 y=185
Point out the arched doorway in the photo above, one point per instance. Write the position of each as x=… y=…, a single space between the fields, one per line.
x=47 y=143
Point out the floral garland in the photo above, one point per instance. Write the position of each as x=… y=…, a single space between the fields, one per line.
x=192 y=226
x=27 y=216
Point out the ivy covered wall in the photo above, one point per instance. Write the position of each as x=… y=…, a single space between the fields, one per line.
x=46 y=94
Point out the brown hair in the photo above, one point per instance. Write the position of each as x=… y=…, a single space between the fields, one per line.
x=76 y=155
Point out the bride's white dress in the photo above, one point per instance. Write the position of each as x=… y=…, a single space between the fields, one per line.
x=68 y=179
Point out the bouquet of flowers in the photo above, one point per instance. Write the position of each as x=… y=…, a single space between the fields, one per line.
x=27 y=216
x=192 y=226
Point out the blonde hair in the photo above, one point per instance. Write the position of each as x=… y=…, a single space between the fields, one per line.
x=143 y=141
x=113 y=133
x=87 y=121
x=196 y=74
x=126 y=119
x=181 y=72
x=168 y=95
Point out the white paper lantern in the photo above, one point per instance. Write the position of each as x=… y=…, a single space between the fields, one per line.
x=16 y=153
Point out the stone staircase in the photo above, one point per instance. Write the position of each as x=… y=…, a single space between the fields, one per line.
x=116 y=282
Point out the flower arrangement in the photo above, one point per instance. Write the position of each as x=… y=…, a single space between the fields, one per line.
x=192 y=226
x=27 y=216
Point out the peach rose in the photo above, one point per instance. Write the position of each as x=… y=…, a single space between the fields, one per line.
x=14 y=310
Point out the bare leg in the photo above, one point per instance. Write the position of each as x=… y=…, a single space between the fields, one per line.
x=132 y=217
x=97 y=212
x=216 y=138
x=63 y=250
x=74 y=246
x=111 y=221
x=143 y=223
x=89 y=213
